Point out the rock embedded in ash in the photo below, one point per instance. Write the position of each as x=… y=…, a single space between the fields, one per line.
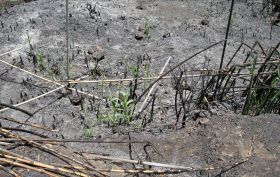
x=140 y=7
x=203 y=121
x=140 y=34
x=205 y=22
x=76 y=100
x=122 y=17
x=98 y=53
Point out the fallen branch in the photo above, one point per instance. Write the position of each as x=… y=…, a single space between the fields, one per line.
x=24 y=123
x=11 y=172
x=73 y=141
x=16 y=108
x=43 y=165
x=151 y=90
x=47 y=80
x=173 y=68
x=14 y=163
x=60 y=155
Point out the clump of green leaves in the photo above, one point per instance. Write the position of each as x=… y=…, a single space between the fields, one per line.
x=121 y=110
x=88 y=131
x=147 y=27
x=41 y=61
x=263 y=96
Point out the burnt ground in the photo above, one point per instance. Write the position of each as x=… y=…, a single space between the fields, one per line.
x=176 y=30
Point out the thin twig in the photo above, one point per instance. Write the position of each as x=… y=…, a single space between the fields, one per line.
x=43 y=165
x=32 y=99
x=11 y=51
x=176 y=66
x=74 y=141
x=47 y=149
x=151 y=90
x=67 y=39
x=15 y=108
x=14 y=163
x=24 y=123
x=47 y=80
x=11 y=172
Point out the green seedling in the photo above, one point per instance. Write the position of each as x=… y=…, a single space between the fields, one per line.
x=41 y=61
x=29 y=41
x=251 y=98
x=121 y=110
x=263 y=96
x=147 y=27
x=147 y=75
x=88 y=132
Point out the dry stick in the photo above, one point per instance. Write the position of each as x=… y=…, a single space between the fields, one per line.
x=167 y=77
x=15 y=108
x=28 y=167
x=24 y=123
x=224 y=47
x=227 y=33
x=99 y=157
x=4 y=151
x=151 y=90
x=73 y=141
x=44 y=166
x=144 y=171
x=5 y=144
x=265 y=62
x=176 y=66
x=47 y=149
x=184 y=169
x=6 y=53
x=11 y=172
x=35 y=98
x=25 y=131
x=67 y=38
x=40 y=96
x=217 y=71
x=47 y=80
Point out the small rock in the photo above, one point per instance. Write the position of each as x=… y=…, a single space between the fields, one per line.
x=98 y=53
x=203 y=121
x=140 y=35
x=205 y=22
x=140 y=7
x=122 y=17
x=75 y=100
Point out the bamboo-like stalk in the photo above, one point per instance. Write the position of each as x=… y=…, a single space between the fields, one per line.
x=151 y=90
x=11 y=51
x=47 y=80
x=74 y=141
x=47 y=149
x=35 y=98
x=227 y=33
x=11 y=172
x=16 y=108
x=99 y=157
x=67 y=39
x=24 y=123
x=43 y=165
x=14 y=163
x=154 y=78
x=144 y=171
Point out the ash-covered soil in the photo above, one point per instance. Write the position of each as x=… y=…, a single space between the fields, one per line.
x=125 y=30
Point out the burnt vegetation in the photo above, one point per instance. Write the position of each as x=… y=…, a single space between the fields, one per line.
x=247 y=82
